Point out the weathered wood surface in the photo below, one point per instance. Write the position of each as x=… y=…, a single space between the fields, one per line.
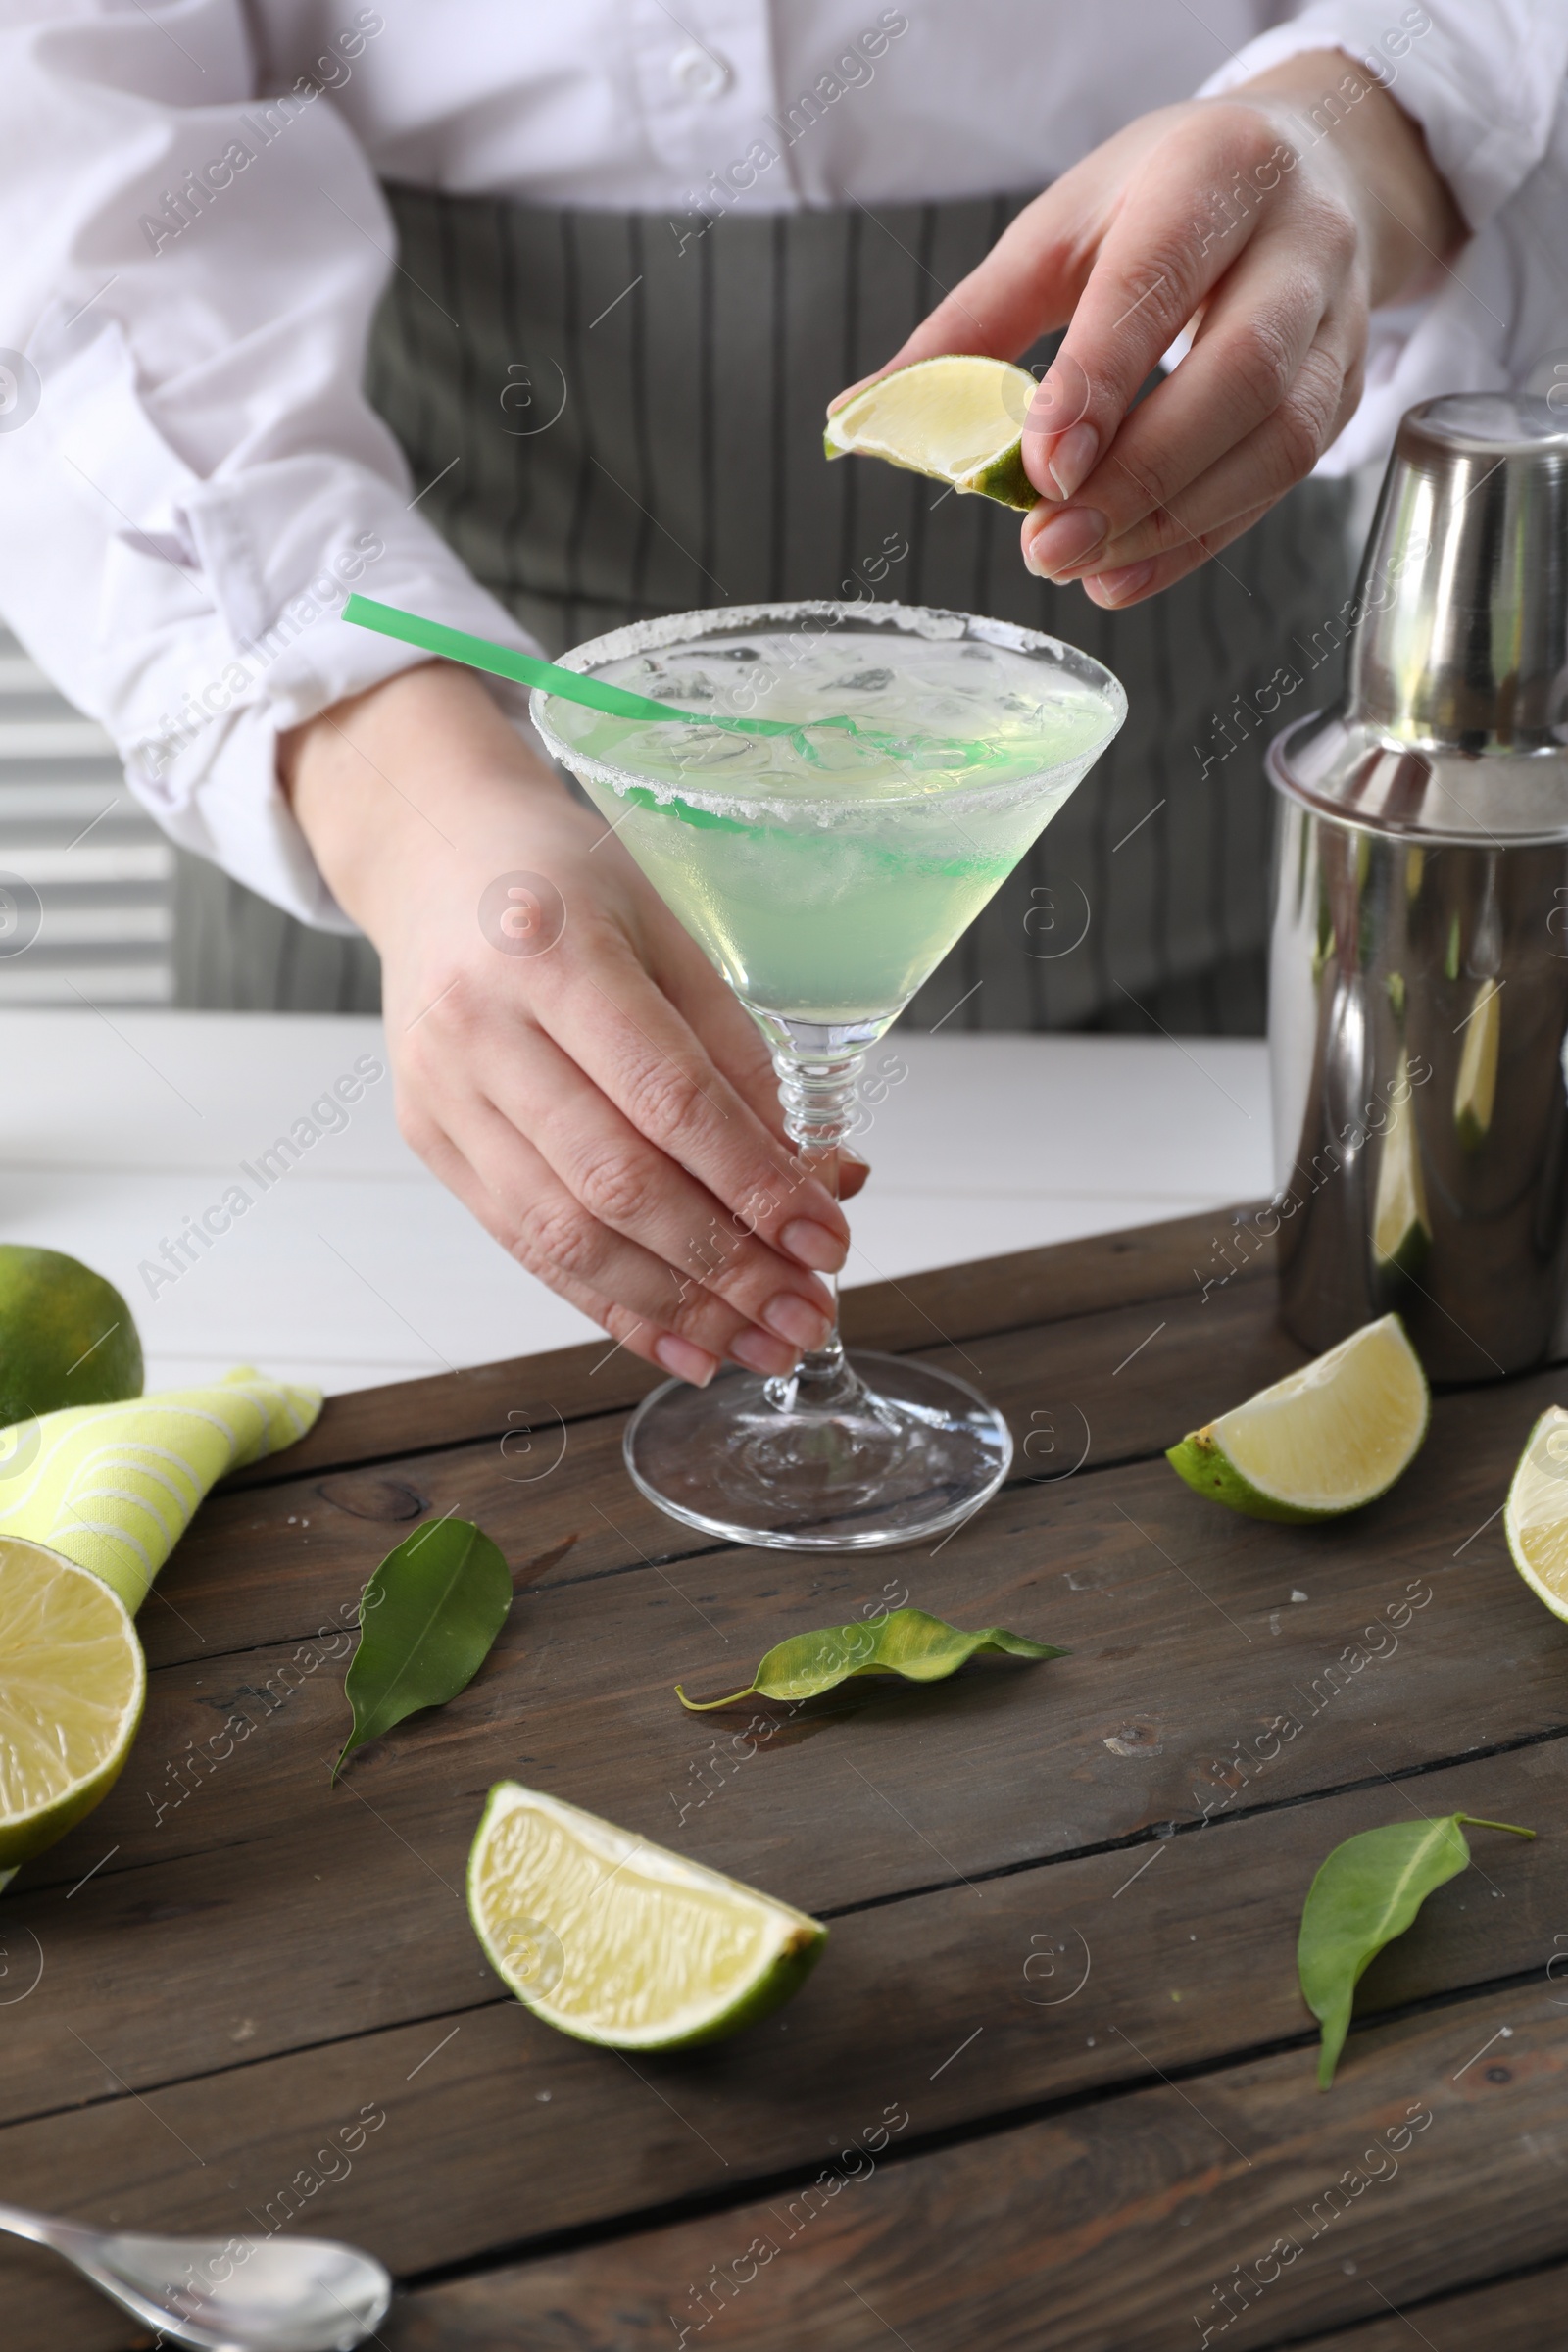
x=1080 y=1974
x=1186 y=1646
x=1523 y=2312
x=255 y=1958
x=1029 y=1287
x=260 y=1564
x=1113 y=2228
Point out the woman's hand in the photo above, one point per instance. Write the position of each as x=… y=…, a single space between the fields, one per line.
x=565 y=1058
x=1270 y=220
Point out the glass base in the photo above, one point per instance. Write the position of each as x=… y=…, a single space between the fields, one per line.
x=888 y=1456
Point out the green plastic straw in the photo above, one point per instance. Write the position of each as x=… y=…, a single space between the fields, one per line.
x=616 y=702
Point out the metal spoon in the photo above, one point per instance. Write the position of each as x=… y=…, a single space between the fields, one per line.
x=236 y=2295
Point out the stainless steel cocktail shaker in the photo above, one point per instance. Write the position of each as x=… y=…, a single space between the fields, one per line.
x=1418 y=1018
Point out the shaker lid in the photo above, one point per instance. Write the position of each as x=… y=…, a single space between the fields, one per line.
x=1454 y=720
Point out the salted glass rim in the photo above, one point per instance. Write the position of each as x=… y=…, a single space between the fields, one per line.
x=715 y=620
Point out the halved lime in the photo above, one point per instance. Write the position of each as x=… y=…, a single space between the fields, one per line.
x=619 y=1942
x=958 y=418
x=1321 y=1440
x=1536 y=1517
x=72 y=1681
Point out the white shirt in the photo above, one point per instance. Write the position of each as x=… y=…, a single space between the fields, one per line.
x=190 y=479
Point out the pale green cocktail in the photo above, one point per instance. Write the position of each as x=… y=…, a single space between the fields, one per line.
x=827 y=872
x=898 y=766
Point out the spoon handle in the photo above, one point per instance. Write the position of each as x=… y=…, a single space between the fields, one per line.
x=38 y=2227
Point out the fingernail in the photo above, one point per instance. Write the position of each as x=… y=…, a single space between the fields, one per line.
x=1066 y=539
x=758 y=1352
x=684 y=1360
x=1115 y=587
x=1071 y=461
x=796 y=1318
x=812 y=1244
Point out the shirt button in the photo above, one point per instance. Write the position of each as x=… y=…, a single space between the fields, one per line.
x=699 y=74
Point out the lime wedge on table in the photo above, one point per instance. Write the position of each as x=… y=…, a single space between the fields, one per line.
x=619 y=1942
x=1324 y=1439
x=958 y=418
x=1535 y=1519
x=71 y=1686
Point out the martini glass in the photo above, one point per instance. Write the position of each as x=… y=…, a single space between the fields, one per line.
x=826 y=870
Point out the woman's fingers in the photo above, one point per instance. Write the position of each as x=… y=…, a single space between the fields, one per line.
x=1129 y=584
x=1159 y=255
x=1245 y=367
x=1240 y=489
x=625 y=1184
x=854 y=1174
x=717 y=1017
x=1207 y=213
x=636 y=1335
x=1035 y=273
x=1249 y=476
x=595 y=1133
x=1125 y=247
x=736 y=1044
x=624 y=1147
x=611 y=1019
x=659 y=1313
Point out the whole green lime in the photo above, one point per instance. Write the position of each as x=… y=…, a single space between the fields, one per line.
x=67 y=1337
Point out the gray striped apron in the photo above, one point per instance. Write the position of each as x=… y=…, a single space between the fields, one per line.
x=611 y=415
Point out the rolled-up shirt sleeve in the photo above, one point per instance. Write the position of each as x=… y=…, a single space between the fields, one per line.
x=1483 y=79
x=191 y=481
x=1487 y=80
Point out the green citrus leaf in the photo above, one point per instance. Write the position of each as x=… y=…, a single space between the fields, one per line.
x=428 y=1618
x=1368 y=1891
x=906 y=1642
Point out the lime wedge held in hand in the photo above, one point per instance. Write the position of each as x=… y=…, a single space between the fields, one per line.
x=1535 y=1519
x=958 y=418
x=1322 y=1441
x=71 y=1685
x=615 y=1940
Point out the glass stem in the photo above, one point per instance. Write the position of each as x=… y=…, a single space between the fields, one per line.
x=818 y=1094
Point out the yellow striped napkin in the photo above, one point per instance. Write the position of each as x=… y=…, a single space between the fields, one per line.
x=114 y=1486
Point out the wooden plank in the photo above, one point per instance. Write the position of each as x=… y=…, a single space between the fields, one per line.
x=1130 y=2227
x=260 y=1567
x=1070 y=1972
x=999 y=1772
x=966 y=1301
x=1186 y=1646
x=1119 y=2219
x=1515 y=2315
x=417 y=1832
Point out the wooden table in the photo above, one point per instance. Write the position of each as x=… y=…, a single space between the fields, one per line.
x=1063 y=1899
